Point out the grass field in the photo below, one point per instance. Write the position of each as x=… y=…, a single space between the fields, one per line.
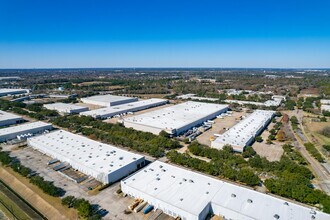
x=49 y=206
x=10 y=206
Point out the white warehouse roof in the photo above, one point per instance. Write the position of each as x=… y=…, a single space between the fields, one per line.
x=66 y=108
x=190 y=195
x=108 y=100
x=33 y=128
x=9 y=119
x=325 y=101
x=102 y=161
x=245 y=131
x=325 y=107
x=120 y=109
x=5 y=92
x=175 y=119
x=8 y=116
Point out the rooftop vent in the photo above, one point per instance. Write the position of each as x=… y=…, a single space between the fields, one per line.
x=233 y=195
x=249 y=201
x=276 y=216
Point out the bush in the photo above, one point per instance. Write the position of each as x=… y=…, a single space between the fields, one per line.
x=258 y=139
x=68 y=201
x=326 y=147
x=314 y=152
x=248 y=152
x=326 y=131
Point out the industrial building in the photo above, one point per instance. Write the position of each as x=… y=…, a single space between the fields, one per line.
x=23 y=131
x=66 y=108
x=104 y=162
x=9 y=119
x=325 y=108
x=243 y=133
x=192 y=196
x=6 y=92
x=194 y=97
x=108 y=100
x=104 y=113
x=175 y=119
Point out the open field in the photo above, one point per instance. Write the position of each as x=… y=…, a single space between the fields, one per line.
x=272 y=152
x=312 y=129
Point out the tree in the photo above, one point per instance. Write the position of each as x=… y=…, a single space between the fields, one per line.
x=164 y=134
x=68 y=201
x=258 y=139
x=281 y=136
x=248 y=152
x=85 y=209
x=248 y=176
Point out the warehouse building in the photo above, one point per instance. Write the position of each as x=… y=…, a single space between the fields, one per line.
x=104 y=113
x=192 y=196
x=66 y=108
x=108 y=100
x=6 y=92
x=175 y=119
x=23 y=131
x=9 y=119
x=243 y=133
x=104 y=162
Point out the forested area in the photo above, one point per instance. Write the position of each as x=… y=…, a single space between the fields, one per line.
x=118 y=135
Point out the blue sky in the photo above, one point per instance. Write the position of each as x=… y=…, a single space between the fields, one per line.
x=164 y=33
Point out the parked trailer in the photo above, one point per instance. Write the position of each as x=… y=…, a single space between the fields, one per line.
x=148 y=209
x=52 y=161
x=65 y=168
x=140 y=207
x=60 y=166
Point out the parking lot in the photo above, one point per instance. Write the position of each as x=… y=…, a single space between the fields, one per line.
x=114 y=205
x=219 y=126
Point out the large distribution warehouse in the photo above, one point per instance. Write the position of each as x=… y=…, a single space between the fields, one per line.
x=243 y=133
x=175 y=119
x=5 y=92
x=103 y=113
x=192 y=196
x=9 y=119
x=108 y=100
x=66 y=108
x=23 y=130
x=104 y=162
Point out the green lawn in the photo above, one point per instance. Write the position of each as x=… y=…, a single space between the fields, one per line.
x=11 y=207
